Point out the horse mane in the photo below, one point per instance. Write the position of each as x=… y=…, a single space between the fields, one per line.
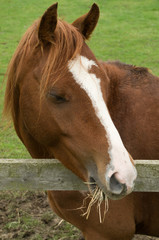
x=129 y=67
x=66 y=44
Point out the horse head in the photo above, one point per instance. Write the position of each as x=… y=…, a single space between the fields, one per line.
x=59 y=103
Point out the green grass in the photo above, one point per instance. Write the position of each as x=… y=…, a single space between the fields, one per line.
x=27 y=215
x=127 y=31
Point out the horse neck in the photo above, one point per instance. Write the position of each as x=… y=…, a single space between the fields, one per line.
x=131 y=89
x=115 y=76
x=118 y=101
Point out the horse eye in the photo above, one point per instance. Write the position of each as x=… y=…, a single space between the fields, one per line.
x=57 y=98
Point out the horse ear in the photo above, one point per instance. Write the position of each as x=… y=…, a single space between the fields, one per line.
x=86 y=23
x=48 y=24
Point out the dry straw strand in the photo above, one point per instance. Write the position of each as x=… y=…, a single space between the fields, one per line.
x=97 y=196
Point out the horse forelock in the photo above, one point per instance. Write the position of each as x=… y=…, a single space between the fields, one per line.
x=66 y=44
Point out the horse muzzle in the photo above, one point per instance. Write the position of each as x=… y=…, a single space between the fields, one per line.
x=113 y=184
x=117 y=187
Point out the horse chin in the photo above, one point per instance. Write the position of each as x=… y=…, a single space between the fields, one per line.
x=115 y=196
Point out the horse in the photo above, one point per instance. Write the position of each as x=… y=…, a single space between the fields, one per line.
x=93 y=116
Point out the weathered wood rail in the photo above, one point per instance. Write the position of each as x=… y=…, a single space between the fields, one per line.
x=50 y=174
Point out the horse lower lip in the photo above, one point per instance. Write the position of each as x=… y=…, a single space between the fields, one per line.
x=115 y=196
x=93 y=186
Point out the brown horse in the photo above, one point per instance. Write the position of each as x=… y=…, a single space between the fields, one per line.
x=61 y=99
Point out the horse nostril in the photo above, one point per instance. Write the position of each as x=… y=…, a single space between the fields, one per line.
x=116 y=186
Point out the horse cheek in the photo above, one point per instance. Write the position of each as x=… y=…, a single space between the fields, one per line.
x=36 y=119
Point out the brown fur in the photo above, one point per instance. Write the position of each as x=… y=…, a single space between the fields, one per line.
x=48 y=130
x=133 y=103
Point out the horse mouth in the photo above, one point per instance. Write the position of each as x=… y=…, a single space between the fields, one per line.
x=92 y=183
x=93 y=186
x=98 y=198
x=98 y=195
x=114 y=195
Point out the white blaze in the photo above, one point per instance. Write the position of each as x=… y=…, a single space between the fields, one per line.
x=120 y=161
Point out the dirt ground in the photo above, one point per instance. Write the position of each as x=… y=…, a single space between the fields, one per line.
x=27 y=215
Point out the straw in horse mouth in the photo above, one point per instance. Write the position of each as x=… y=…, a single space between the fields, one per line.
x=97 y=196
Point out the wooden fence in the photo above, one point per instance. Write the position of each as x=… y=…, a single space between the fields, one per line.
x=50 y=174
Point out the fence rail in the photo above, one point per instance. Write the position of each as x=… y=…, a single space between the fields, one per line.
x=50 y=174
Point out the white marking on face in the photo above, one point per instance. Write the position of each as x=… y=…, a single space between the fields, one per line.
x=120 y=161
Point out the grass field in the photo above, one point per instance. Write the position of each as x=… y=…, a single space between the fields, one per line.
x=127 y=31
